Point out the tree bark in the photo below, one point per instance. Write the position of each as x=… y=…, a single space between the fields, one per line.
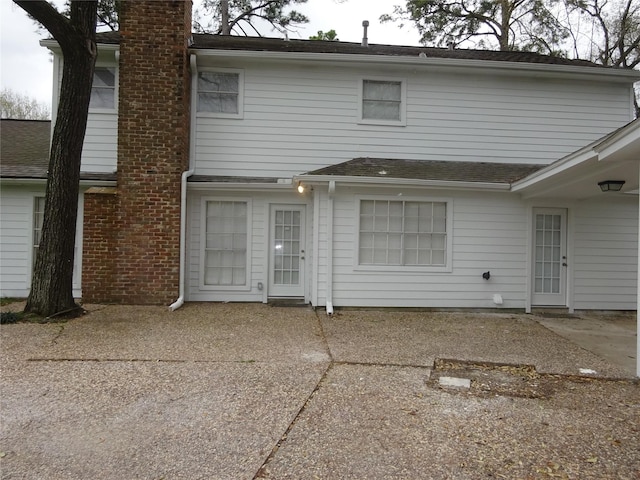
x=52 y=282
x=225 y=27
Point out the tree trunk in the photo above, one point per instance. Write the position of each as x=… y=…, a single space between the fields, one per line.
x=505 y=24
x=51 y=286
x=225 y=27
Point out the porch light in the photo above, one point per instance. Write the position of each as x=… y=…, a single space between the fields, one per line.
x=300 y=188
x=611 y=185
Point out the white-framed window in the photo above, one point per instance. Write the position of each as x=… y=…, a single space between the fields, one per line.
x=220 y=93
x=103 y=89
x=383 y=101
x=225 y=243
x=38 y=220
x=405 y=233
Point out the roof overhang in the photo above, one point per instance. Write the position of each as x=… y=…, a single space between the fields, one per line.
x=209 y=56
x=576 y=176
x=355 y=181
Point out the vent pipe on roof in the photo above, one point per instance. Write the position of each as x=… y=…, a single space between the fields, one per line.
x=365 y=40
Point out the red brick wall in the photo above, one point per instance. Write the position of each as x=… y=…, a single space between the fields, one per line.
x=99 y=243
x=153 y=151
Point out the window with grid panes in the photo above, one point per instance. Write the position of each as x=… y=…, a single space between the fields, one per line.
x=219 y=92
x=38 y=219
x=403 y=233
x=225 y=250
x=382 y=100
x=103 y=89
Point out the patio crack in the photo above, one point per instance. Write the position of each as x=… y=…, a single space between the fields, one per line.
x=262 y=471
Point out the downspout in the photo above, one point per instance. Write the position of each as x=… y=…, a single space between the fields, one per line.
x=331 y=191
x=183 y=186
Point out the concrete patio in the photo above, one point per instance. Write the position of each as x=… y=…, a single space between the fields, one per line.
x=249 y=391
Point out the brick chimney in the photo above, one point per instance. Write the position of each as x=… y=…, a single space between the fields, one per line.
x=132 y=234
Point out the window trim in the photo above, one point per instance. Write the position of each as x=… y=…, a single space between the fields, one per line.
x=203 y=242
x=115 y=89
x=240 y=74
x=403 y=101
x=446 y=268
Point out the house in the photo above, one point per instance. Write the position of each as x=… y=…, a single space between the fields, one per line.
x=246 y=169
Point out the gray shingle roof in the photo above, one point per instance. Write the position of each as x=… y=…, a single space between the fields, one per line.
x=446 y=171
x=222 y=42
x=24 y=147
x=24 y=151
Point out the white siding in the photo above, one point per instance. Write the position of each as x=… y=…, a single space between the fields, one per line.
x=489 y=234
x=16 y=241
x=258 y=263
x=605 y=264
x=99 y=153
x=297 y=119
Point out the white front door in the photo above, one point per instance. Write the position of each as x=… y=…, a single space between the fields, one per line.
x=286 y=272
x=549 y=257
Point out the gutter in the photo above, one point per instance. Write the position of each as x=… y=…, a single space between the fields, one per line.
x=355 y=181
x=543 y=69
x=183 y=190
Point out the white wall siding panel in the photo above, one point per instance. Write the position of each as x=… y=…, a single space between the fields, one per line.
x=16 y=240
x=605 y=265
x=99 y=152
x=297 y=120
x=497 y=244
x=16 y=211
x=258 y=262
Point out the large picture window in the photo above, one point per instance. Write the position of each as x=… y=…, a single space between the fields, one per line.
x=403 y=233
x=220 y=92
x=383 y=101
x=225 y=249
x=103 y=89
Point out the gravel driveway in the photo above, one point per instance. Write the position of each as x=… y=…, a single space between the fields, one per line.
x=243 y=391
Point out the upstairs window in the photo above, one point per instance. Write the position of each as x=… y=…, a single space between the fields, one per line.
x=103 y=89
x=383 y=101
x=403 y=233
x=220 y=93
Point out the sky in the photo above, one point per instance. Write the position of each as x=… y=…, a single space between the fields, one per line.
x=26 y=67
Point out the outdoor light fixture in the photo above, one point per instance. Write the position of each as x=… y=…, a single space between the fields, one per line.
x=611 y=185
x=300 y=188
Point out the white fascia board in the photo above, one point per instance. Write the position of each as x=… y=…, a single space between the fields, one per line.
x=42 y=181
x=240 y=186
x=395 y=182
x=54 y=46
x=492 y=66
x=570 y=161
x=627 y=135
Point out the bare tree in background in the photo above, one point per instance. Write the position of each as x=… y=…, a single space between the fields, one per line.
x=22 y=107
x=247 y=17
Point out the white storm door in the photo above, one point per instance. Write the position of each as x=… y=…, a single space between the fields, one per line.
x=549 y=257
x=286 y=272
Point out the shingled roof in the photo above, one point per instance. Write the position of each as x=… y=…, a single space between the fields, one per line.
x=24 y=151
x=264 y=44
x=24 y=147
x=474 y=172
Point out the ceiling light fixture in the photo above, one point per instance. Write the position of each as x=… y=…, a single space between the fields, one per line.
x=611 y=185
